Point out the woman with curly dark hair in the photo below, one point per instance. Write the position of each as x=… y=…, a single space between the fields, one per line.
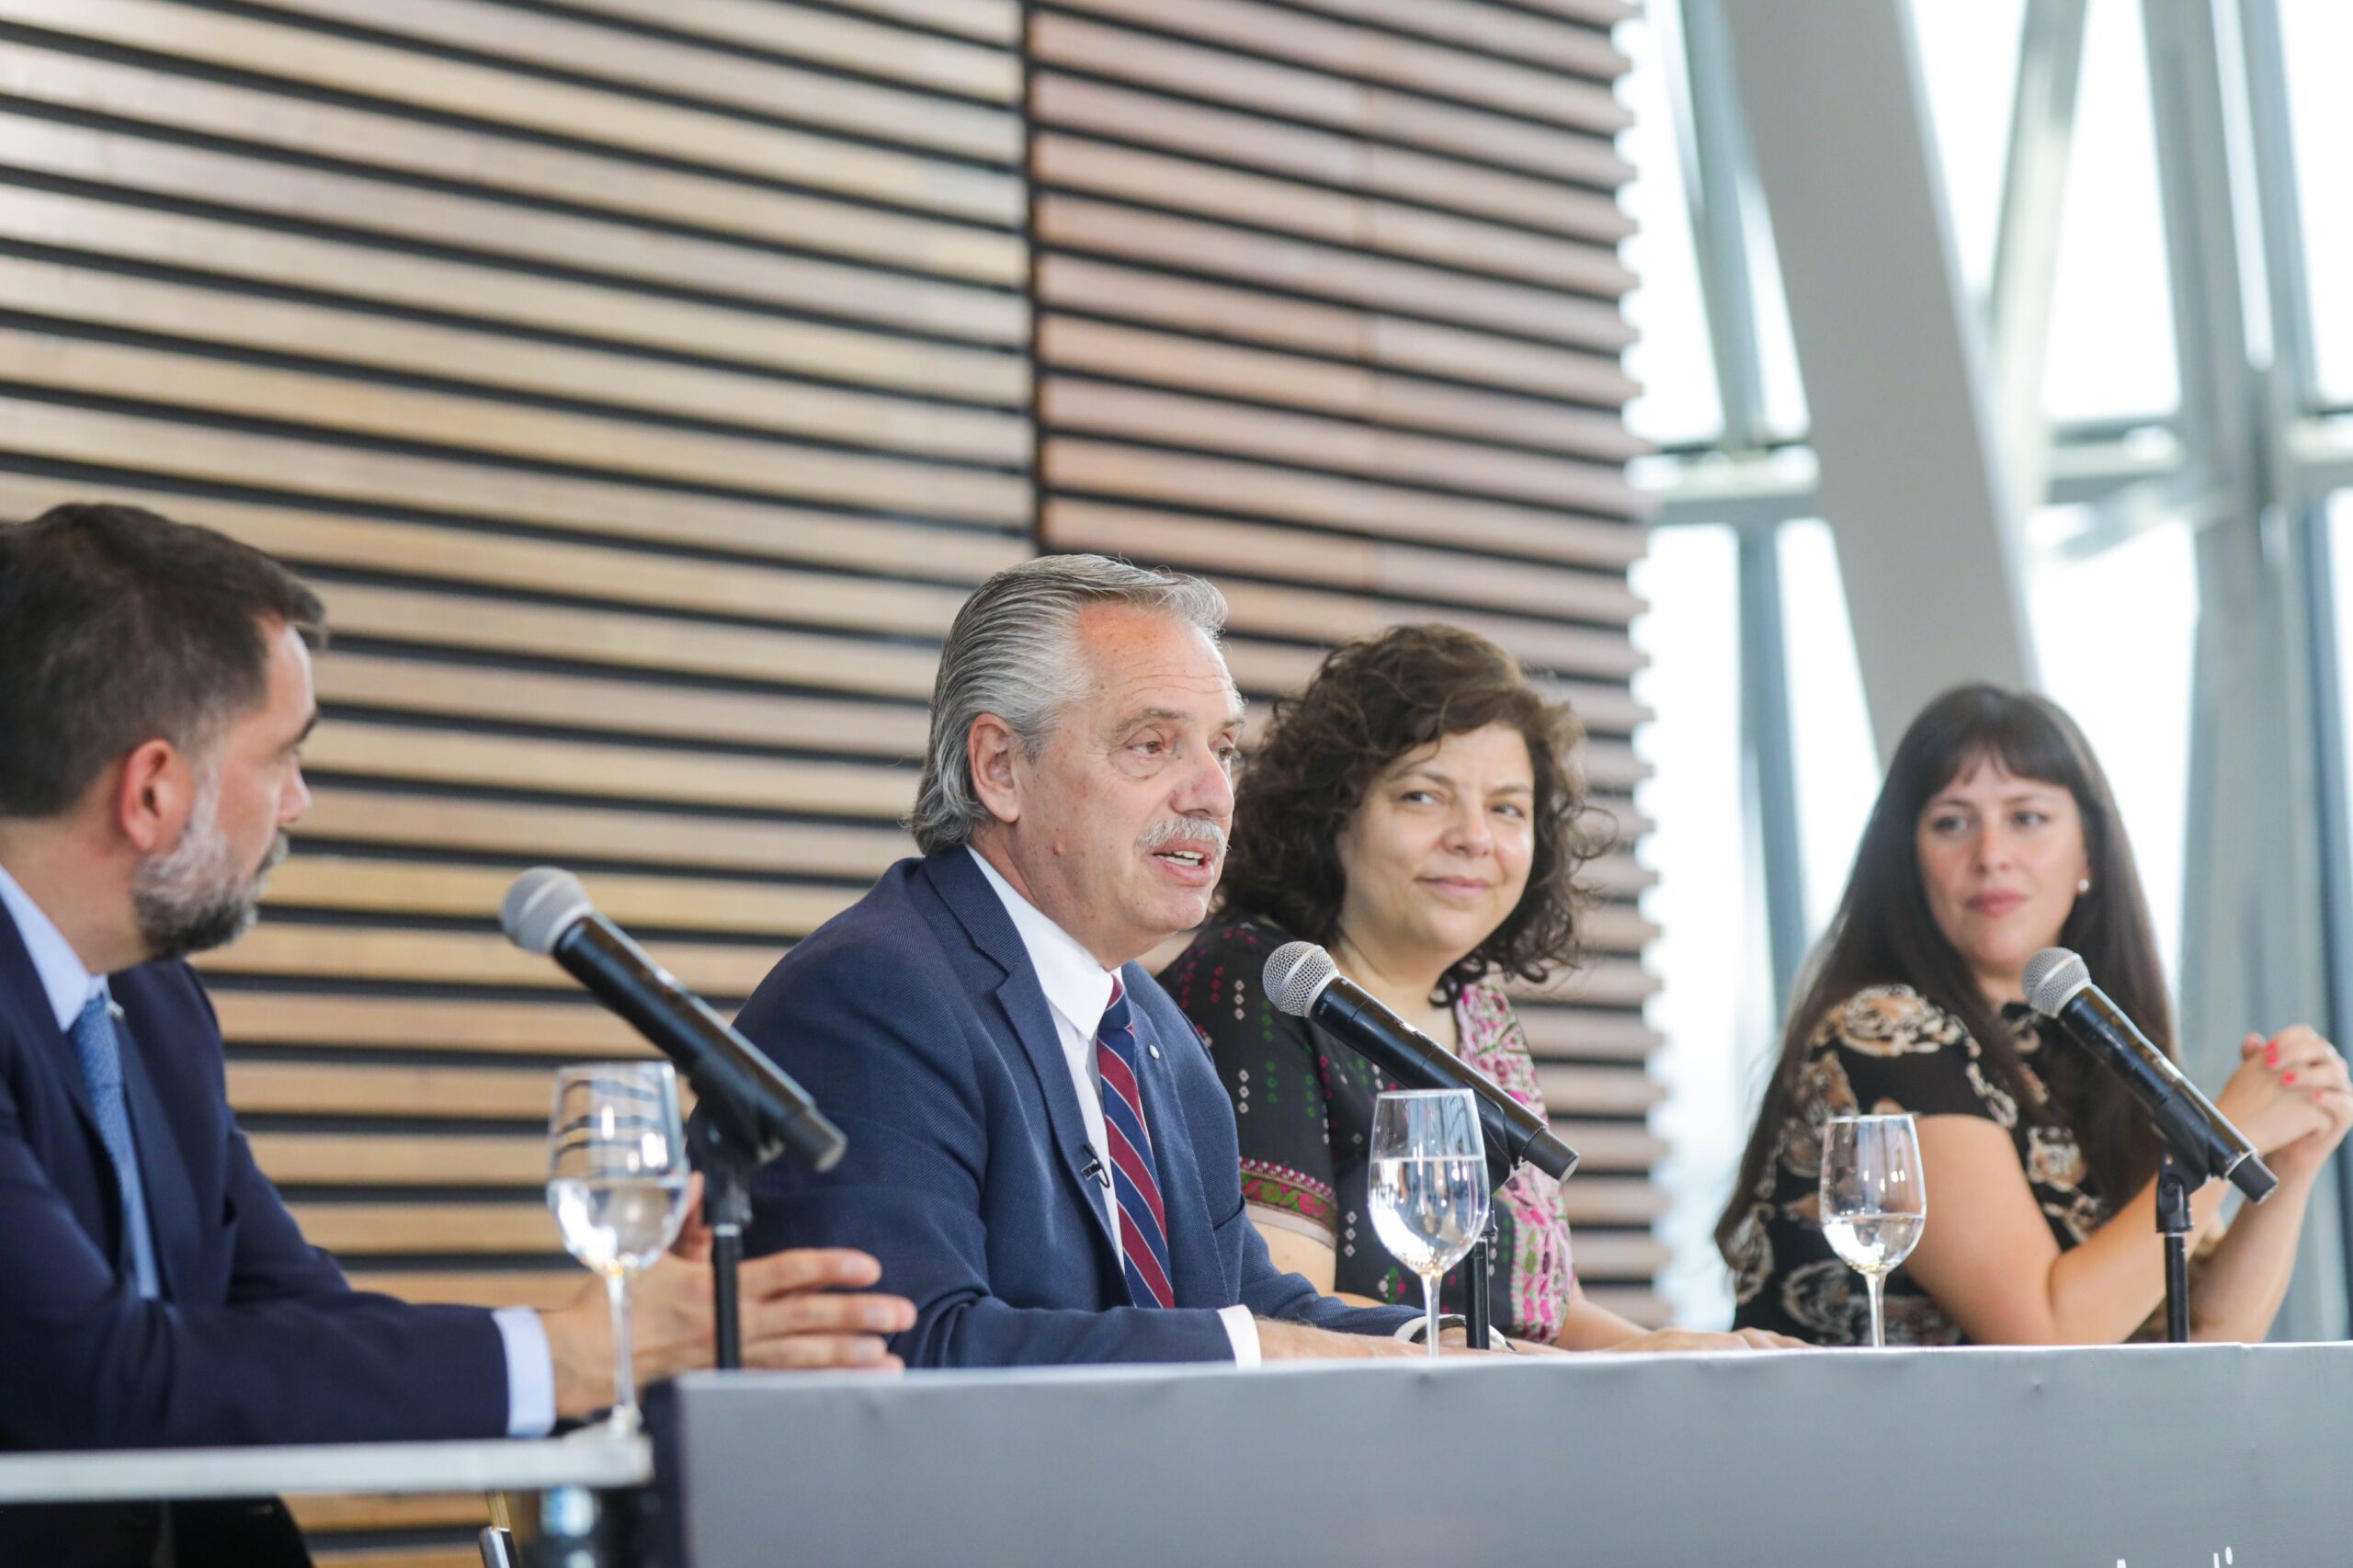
x=1417 y=812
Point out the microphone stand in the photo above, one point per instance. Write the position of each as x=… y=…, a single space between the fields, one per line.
x=1480 y=1286
x=1478 y=1281
x=2174 y=1187
x=728 y=1155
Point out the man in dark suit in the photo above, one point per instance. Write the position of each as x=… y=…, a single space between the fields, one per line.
x=1040 y=1150
x=155 y=693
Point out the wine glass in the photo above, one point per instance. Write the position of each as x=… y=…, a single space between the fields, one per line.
x=617 y=1180
x=1874 y=1199
x=1429 y=1184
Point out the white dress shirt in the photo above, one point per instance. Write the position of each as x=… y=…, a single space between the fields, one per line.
x=1078 y=990
x=530 y=1365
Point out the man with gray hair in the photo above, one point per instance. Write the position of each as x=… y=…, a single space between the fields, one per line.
x=1040 y=1153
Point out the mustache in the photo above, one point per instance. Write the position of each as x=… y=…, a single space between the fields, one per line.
x=1184 y=830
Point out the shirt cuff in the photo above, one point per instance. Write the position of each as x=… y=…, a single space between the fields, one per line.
x=1241 y=1332
x=530 y=1372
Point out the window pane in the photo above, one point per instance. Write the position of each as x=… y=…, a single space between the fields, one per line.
x=1969 y=56
x=2319 y=36
x=1679 y=404
x=2112 y=319
x=1837 y=771
x=1714 y=1004
x=2114 y=636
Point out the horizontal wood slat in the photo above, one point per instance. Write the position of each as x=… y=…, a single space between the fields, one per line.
x=1235 y=311
x=505 y=429
x=1098 y=108
x=613 y=637
x=497 y=362
x=638 y=243
x=596 y=832
x=681 y=903
x=625 y=122
x=548 y=1028
x=1395 y=572
x=772 y=26
x=489 y=293
x=1359 y=109
x=1331 y=217
x=672 y=775
x=371 y=1229
x=1324 y=500
x=1350 y=277
x=323 y=953
x=617 y=704
x=1374 y=56
x=158 y=445
x=544 y=1289
x=1312 y=441
x=418 y=1159
x=1103 y=349
x=744 y=74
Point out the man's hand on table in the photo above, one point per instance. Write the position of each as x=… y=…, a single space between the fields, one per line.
x=795 y=1316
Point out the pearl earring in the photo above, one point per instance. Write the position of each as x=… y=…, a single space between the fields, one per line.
x=2083 y=886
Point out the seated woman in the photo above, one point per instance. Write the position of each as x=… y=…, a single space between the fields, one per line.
x=1415 y=811
x=1996 y=836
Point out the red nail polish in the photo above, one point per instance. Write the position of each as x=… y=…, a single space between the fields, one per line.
x=2287 y=1077
x=2272 y=1055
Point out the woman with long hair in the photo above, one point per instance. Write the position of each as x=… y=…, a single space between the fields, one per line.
x=1994 y=836
x=1418 y=811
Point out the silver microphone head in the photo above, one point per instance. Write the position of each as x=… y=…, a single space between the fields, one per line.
x=1296 y=974
x=2053 y=976
x=544 y=902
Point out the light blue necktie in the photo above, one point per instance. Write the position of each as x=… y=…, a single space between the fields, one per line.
x=100 y=1050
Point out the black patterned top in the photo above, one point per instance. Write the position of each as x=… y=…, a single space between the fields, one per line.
x=1888 y=1049
x=1302 y=1108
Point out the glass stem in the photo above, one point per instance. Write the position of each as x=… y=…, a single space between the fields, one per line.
x=624 y=1355
x=1878 y=1309
x=1430 y=1283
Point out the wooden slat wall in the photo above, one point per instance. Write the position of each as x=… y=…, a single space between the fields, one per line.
x=1328 y=310
x=643 y=383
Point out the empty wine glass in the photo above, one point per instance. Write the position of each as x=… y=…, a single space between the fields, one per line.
x=1874 y=1199
x=617 y=1180
x=1429 y=1184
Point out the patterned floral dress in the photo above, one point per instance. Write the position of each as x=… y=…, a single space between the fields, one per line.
x=1888 y=1049
x=1302 y=1106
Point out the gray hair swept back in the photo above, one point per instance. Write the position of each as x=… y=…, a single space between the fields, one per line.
x=1012 y=651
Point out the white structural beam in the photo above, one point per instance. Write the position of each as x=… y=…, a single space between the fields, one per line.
x=1911 y=483
x=2025 y=251
x=2253 y=939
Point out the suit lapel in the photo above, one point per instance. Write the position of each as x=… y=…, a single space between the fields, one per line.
x=976 y=906
x=22 y=993
x=1191 y=1257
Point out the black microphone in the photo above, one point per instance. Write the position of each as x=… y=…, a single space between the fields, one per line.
x=2059 y=986
x=1302 y=980
x=547 y=911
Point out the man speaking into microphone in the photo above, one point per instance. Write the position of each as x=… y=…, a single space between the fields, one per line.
x=154 y=695
x=1040 y=1150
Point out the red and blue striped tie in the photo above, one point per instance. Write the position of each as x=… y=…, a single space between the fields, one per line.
x=1143 y=1223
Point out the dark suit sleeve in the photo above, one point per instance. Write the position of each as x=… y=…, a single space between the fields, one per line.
x=295 y=1357
x=893 y=1065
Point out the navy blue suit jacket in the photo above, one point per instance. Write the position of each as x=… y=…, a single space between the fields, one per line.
x=915 y=1018
x=257 y=1338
